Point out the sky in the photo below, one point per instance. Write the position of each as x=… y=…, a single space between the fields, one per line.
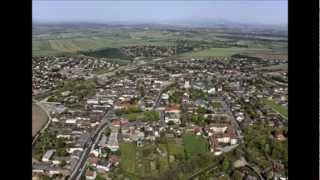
x=254 y=11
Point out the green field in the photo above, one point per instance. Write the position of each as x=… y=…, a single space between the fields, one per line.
x=216 y=104
x=221 y=52
x=275 y=67
x=75 y=44
x=128 y=156
x=276 y=107
x=194 y=144
x=175 y=149
x=137 y=160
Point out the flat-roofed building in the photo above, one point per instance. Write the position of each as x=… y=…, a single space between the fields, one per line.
x=46 y=157
x=113 y=140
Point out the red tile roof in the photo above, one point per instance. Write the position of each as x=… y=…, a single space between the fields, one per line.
x=172 y=108
x=114 y=159
x=93 y=160
x=231 y=132
x=214 y=142
x=89 y=173
x=116 y=122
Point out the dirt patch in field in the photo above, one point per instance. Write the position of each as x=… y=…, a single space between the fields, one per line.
x=39 y=119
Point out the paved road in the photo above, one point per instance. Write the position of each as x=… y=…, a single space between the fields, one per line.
x=79 y=168
x=256 y=170
x=156 y=104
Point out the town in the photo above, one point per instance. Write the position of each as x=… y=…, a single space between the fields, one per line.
x=148 y=120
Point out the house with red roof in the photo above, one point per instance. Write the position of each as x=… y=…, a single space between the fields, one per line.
x=214 y=145
x=90 y=175
x=114 y=160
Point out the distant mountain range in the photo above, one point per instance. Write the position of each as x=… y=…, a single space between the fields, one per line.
x=223 y=23
x=188 y=22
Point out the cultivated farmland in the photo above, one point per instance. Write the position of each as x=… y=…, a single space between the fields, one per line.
x=39 y=119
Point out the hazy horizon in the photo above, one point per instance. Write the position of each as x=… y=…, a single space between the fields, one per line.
x=262 y=12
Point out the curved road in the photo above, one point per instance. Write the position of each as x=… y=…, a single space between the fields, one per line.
x=46 y=125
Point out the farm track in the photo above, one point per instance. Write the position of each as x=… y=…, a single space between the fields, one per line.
x=39 y=127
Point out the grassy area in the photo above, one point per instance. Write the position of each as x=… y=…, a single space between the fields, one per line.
x=55 y=46
x=128 y=156
x=220 y=52
x=133 y=116
x=216 y=104
x=277 y=107
x=175 y=149
x=142 y=161
x=194 y=144
x=141 y=116
x=275 y=67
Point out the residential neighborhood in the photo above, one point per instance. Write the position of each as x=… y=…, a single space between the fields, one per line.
x=149 y=105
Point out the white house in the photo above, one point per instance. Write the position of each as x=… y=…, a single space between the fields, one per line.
x=71 y=121
x=92 y=101
x=172 y=114
x=239 y=118
x=56 y=162
x=223 y=139
x=233 y=141
x=212 y=90
x=187 y=85
x=55 y=120
x=70 y=150
x=165 y=96
x=67 y=136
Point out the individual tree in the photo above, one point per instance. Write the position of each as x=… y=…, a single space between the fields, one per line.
x=107 y=131
x=226 y=164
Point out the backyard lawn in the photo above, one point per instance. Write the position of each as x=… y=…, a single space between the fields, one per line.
x=194 y=144
x=128 y=156
x=277 y=107
x=216 y=104
x=142 y=161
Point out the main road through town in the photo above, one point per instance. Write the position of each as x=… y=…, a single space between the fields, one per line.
x=79 y=168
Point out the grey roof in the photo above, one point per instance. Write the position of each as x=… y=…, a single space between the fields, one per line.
x=113 y=139
x=45 y=167
x=49 y=154
x=103 y=140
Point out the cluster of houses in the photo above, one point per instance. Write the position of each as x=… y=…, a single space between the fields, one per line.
x=48 y=71
x=100 y=159
x=148 y=51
